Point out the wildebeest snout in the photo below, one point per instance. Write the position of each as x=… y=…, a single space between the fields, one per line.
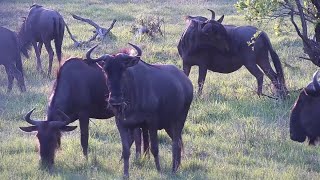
x=299 y=137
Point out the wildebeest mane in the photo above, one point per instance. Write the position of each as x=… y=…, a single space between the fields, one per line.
x=56 y=82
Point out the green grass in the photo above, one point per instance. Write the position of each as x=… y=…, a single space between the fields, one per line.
x=230 y=132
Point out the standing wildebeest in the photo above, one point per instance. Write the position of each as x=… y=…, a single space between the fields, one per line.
x=304 y=119
x=10 y=57
x=224 y=48
x=150 y=96
x=43 y=25
x=79 y=92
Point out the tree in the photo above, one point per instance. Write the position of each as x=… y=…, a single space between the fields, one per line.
x=307 y=11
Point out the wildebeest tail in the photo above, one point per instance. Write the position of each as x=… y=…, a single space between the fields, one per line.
x=275 y=59
x=69 y=32
x=58 y=35
x=19 y=63
x=18 y=55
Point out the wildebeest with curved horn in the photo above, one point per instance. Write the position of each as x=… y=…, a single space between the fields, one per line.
x=304 y=118
x=224 y=49
x=40 y=27
x=152 y=96
x=10 y=57
x=79 y=92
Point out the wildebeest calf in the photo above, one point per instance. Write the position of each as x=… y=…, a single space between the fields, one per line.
x=304 y=118
x=150 y=96
x=10 y=57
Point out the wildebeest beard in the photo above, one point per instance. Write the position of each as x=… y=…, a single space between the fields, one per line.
x=47 y=149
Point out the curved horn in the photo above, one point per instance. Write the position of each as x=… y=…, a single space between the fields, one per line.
x=139 y=51
x=29 y=120
x=88 y=54
x=213 y=14
x=315 y=81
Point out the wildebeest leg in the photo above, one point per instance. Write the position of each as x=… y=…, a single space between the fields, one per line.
x=267 y=69
x=201 y=78
x=14 y=72
x=84 y=130
x=155 y=147
x=137 y=141
x=186 y=69
x=256 y=72
x=40 y=47
x=312 y=141
x=10 y=77
x=145 y=134
x=125 y=146
x=176 y=148
x=50 y=53
x=36 y=50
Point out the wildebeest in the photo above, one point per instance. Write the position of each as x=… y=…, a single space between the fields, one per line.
x=40 y=27
x=79 y=92
x=150 y=96
x=10 y=57
x=224 y=49
x=304 y=118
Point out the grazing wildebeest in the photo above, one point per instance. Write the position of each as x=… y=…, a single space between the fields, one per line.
x=10 y=57
x=79 y=92
x=150 y=96
x=40 y=27
x=224 y=49
x=304 y=118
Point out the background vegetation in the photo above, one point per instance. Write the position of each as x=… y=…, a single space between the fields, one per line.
x=230 y=132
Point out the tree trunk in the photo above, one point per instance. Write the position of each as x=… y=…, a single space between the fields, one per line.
x=316 y=3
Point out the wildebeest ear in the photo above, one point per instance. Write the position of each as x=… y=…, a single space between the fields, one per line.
x=29 y=128
x=221 y=19
x=131 y=62
x=68 y=128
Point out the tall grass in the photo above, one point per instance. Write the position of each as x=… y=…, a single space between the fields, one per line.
x=230 y=132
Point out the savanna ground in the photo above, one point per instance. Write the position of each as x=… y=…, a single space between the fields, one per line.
x=230 y=132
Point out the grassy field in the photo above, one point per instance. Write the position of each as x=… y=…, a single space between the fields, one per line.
x=230 y=132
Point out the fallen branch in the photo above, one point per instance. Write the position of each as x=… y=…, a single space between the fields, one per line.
x=98 y=32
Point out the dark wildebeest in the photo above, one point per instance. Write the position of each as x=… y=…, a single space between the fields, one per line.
x=79 y=92
x=304 y=118
x=10 y=57
x=149 y=96
x=40 y=27
x=224 y=49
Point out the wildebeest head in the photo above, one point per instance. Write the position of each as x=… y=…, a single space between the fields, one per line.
x=304 y=111
x=215 y=32
x=48 y=134
x=114 y=67
x=24 y=36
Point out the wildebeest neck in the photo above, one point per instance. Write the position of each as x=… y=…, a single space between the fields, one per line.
x=25 y=39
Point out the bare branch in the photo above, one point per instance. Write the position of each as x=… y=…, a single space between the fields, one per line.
x=102 y=32
x=86 y=20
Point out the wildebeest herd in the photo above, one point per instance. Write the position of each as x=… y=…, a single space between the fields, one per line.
x=143 y=97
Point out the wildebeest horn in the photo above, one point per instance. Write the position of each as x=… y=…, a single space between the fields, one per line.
x=29 y=120
x=220 y=19
x=88 y=54
x=213 y=14
x=315 y=81
x=139 y=51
